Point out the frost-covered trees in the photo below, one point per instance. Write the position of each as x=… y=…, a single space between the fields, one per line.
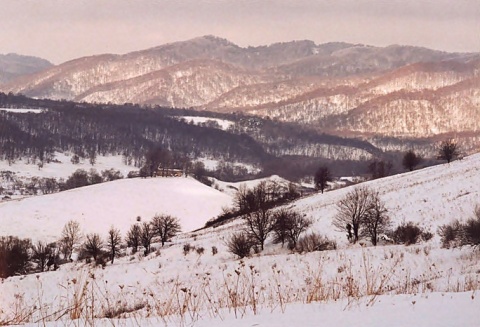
x=322 y=177
x=165 y=227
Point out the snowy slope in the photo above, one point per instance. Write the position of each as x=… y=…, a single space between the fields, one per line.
x=430 y=197
x=118 y=203
x=421 y=285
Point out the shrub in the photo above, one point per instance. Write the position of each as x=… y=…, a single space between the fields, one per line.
x=451 y=234
x=407 y=233
x=14 y=256
x=214 y=250
x=314 y=242
x=472 y=229
x=200 y=250
x=186 y=249
x=240 y=244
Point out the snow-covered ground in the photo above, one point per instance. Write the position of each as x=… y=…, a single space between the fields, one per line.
x=395 y=285
x=64 y=167
x=223 y=123
x=22 y=111
x=118 y=203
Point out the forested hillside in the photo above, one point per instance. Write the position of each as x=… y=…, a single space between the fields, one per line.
x=89 y=130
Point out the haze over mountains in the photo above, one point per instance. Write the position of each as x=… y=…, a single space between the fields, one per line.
x=396 y=91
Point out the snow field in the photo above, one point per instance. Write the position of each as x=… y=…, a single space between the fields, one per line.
x=396 y=285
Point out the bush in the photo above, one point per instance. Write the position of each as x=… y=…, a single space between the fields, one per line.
x=407 y=233
x=186 y=249
x=472 y=229
x=314 y=242
x=451 y=234
x=214 y=250
x=14 y=256
x=458 y=234
x=240 y=244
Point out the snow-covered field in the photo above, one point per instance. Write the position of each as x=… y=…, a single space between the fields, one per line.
x=395 y=285
x=64 y=167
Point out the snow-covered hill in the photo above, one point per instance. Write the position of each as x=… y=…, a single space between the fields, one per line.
x=394 y=285
x=430 y=197
x=117 y=203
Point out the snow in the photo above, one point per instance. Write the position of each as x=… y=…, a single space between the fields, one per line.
x=223 y=123
x=64 y=168
x=22 y=111
x=395 y=285
x=117 y=203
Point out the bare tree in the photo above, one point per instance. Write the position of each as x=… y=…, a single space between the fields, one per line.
x=352 y=210
x=41 y=252
x=114 y=240
x=146 y=236
x=380 y=168
x=411 y=160
x=376 y=221
x=322 y=177
x=258 y=216
x=93 y=245
x=288 y=226
x=165 y=227
x=448 y=150
x=71 y=235
x=134 y=237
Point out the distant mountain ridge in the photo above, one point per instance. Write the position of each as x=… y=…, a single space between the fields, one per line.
x=13 y=65
x=398 y=91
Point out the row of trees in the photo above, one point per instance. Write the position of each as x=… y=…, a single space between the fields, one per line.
x=19 y=256
x=448 y=150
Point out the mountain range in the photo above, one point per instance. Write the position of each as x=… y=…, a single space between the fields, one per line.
x=341 y=88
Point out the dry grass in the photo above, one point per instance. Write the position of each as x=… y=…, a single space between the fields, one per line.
x=243 y=289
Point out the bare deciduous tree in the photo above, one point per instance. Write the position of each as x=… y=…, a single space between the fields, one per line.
x=352 y=210
x=146 y=236
x=448 y=150
x=411 y=160
x=165 y=227
x=114 y=240
x=322 y=177
x=288 y=227
x=134 y=237
x=41 y=252
x=93 y=245
x=376 y=221
x=71 y=235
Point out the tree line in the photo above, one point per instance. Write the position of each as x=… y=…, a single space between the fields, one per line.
x=20 y=256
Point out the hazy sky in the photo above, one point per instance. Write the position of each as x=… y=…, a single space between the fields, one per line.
x=59 y=30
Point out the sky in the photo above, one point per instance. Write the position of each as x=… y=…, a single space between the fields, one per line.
x=61 y=30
